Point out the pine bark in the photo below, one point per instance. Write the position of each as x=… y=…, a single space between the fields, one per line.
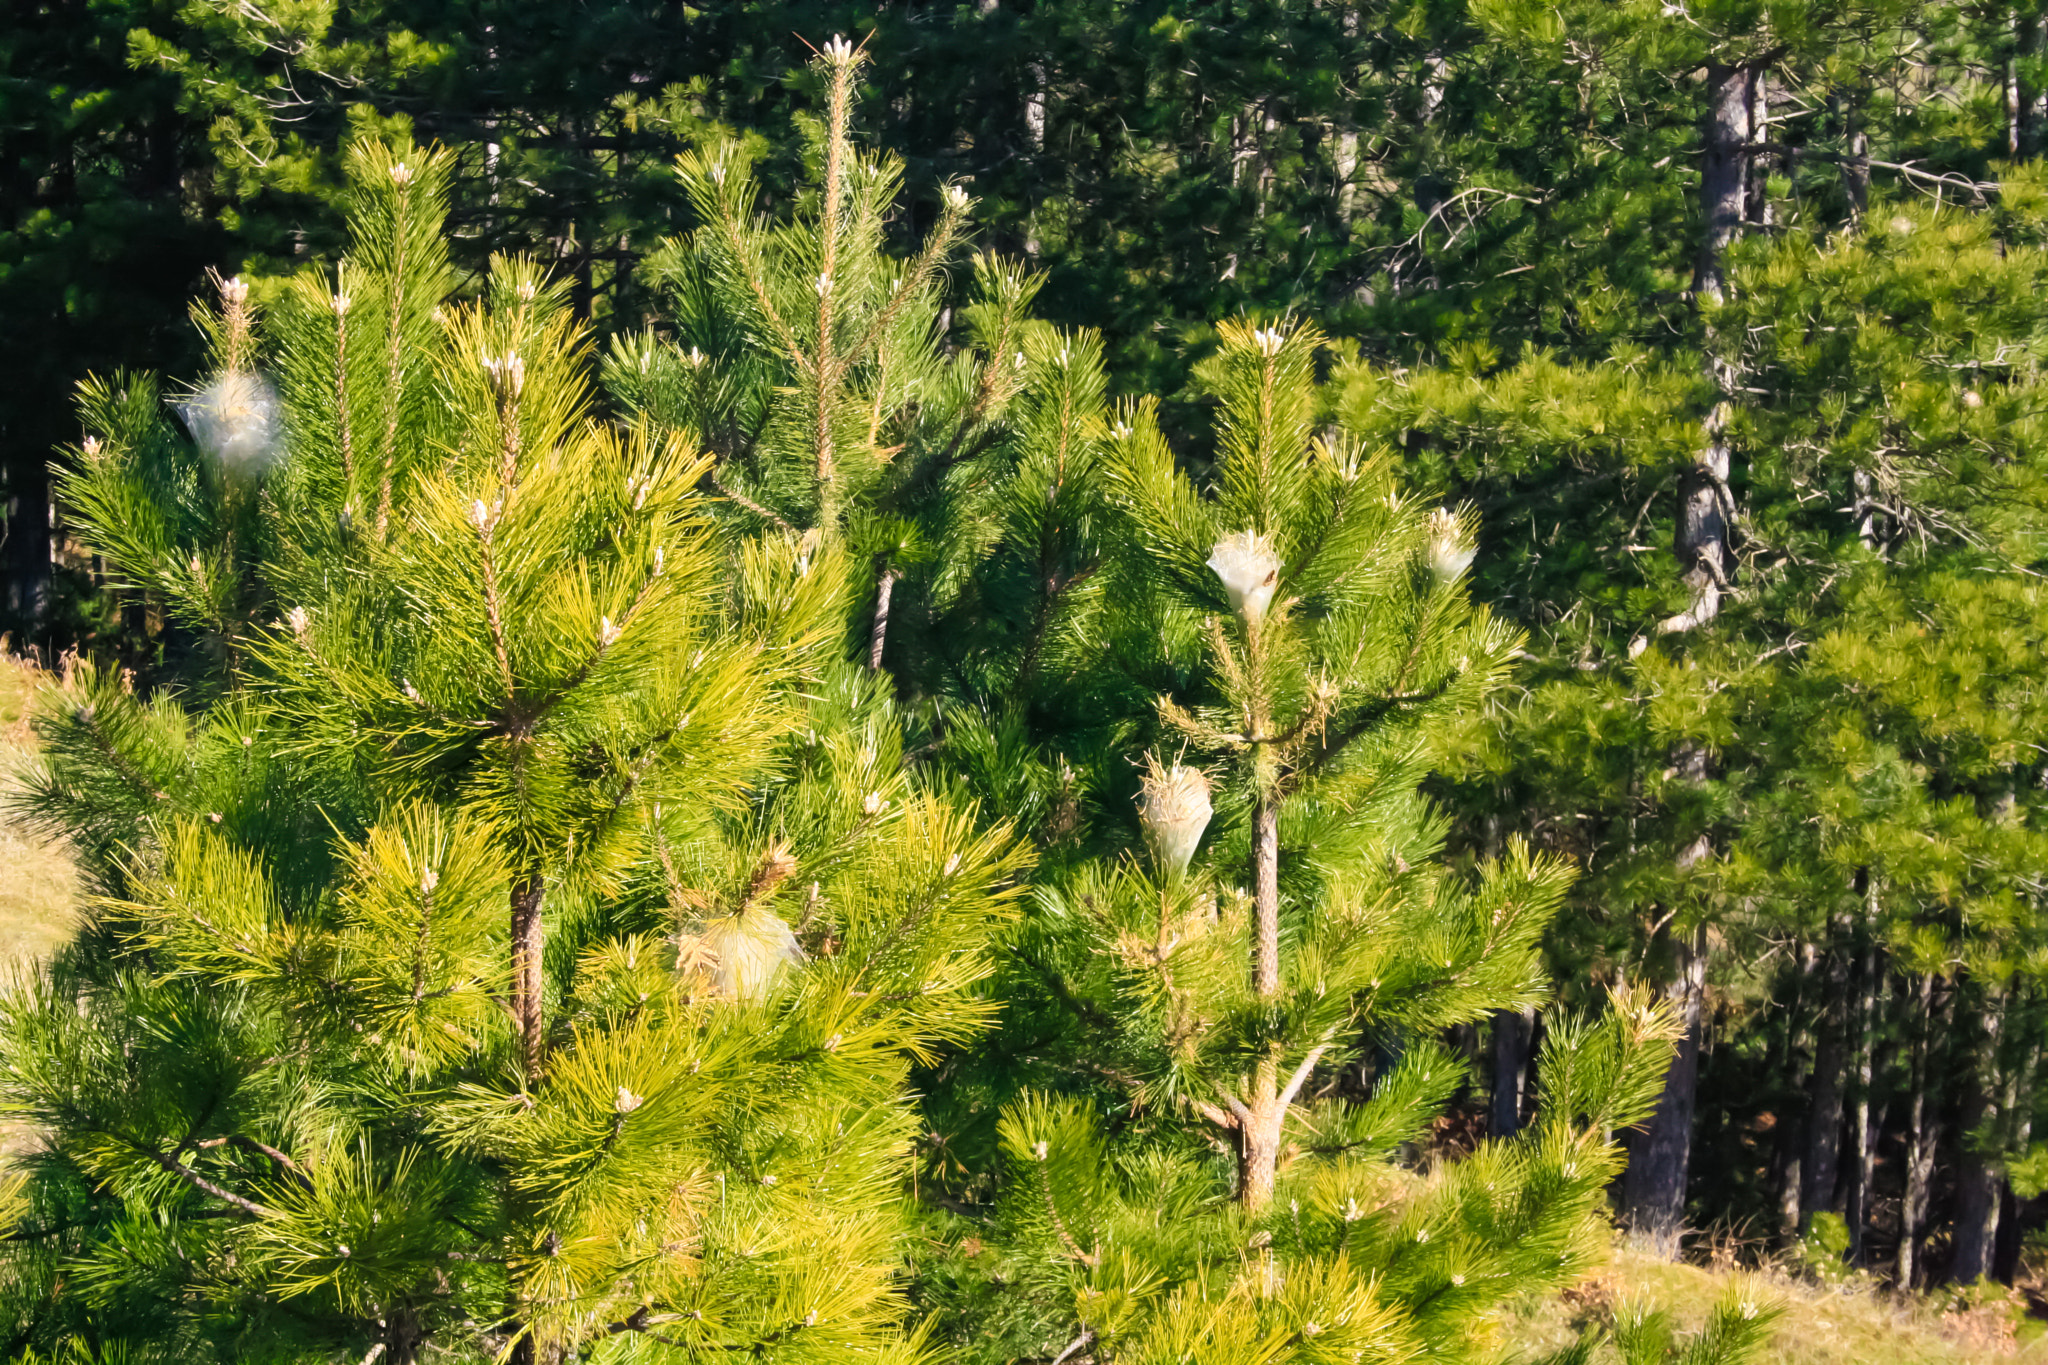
x=878 y=633
x=1258 y=1149
x=403 y=1337
x=1653 y=1190
x=1700 y=537
x=1856 y=172
x=1266 y=896
x=1757 y=195
x=1820 y=1169
x=28 y=516
x=1790 y=1146
x=1259 y=1125
x=1724 y=173
x=1514 y=1033
x=528 y=947
x=1976 y=1218
x=2022 y=98
x=1920 y=1132
x=1862 y=1137
x=2018 y=1130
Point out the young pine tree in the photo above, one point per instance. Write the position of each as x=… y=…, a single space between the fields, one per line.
x=848 y=389
x=523 y=955
x=1229 y=999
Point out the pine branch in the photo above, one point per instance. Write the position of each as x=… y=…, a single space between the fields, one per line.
x=1052 y=1210
x=251 y=1145
x=826 y=371
x=885 y=589
x=248 y=1207
x=419 y=960
x=1377 y=711
x=1084 y=1009
x=937 y=243
x=521 y=723
x=394 y=368
x=88 y=716
x=1301 y=1075
x=711 y=482
x=493 y=610
x=345 y=428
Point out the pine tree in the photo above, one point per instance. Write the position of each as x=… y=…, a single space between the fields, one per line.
x=851 y=390
x=1218 y=1006
x=837 y=389
x=520 y=941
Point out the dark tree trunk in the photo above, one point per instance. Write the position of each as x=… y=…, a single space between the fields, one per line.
x=1700 y=535
x=1820 y=1170
x=402 y=1337
x=1653 y=1190
x=1757 y=196
x=1856 y=173
x=1922 y=1126
x=1514 y=1034
x=28 y=550
x=1724 y=173
x=1789 y=1149
x=2016 y=1130
x=1977 y=1194
x=1863 y=1114
x=2022 y=97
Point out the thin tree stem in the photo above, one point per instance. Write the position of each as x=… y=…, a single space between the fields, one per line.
x=528 y=949
x=885 y=589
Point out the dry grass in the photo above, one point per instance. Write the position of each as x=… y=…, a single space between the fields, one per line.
x=38 y=886
x=1856 y=1324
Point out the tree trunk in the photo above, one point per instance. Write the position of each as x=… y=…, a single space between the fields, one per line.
x=1976 y=1221
x=1821 y=1168
x=1653 y=1190
x=2016 y=1128
x=1035 y=106
x=1724 y=173
x=1868 y=1005
x=402 y=1337
x=1700 y=536
x=1856 y=173
x=1757 y=196
x=1789 y=1149
x=1919 y=1134
x=1266 y=896
x=28 y=520
x=1514 y=1033
x=1258 y=1149
x=878 y=634
x=528 y=983
x=2022 y=98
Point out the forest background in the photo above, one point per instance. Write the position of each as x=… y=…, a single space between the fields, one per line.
x=1726 y=318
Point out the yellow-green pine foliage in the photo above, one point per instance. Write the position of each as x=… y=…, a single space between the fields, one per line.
x=526 y=949
x=1212 y=1168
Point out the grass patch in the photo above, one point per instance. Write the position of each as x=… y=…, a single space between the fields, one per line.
x=1855 y=1324
x=38 y=883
